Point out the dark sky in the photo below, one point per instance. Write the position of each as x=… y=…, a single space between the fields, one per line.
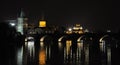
x=94 y=15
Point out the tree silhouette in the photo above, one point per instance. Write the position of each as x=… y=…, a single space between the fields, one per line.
x=7 y=33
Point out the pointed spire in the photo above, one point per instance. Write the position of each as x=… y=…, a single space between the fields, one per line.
x=22 y=13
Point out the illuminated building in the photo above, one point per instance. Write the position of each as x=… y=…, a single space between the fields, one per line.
x=22 y=23
x=69 y=31
x=78 y=29
x=42 y=24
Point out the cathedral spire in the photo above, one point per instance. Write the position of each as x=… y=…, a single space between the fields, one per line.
x=22 y=14
x=21 y=21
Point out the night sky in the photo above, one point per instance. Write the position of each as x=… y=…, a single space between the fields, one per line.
x=93 y=15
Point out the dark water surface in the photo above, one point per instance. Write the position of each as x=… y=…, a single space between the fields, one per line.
x=67 y=53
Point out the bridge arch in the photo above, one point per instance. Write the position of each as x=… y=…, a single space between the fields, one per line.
x=106 y=46
x=42 y=38
x=29 y=38
x=108 y=40
x=61 y=38
x=79 y=39
x=84 y=37
x=45 y=38
x=103 y=38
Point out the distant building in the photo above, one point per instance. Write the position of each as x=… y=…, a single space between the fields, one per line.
x=22 y=23
x=78 y=29
x=86 y=30
x=42 y=24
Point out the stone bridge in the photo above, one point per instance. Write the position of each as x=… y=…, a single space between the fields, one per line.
x=97 y=37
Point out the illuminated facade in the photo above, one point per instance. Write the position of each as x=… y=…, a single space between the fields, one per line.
x=22 y=23
x=76 y=29
x=42 y=24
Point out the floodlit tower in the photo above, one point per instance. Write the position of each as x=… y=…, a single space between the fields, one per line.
x=42 y=22
x=21 y=22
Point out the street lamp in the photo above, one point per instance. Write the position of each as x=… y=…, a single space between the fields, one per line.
x=70 y=29
x=12 y=24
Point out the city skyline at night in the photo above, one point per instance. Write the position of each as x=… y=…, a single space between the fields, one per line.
x=59 y=32
x=93 y=15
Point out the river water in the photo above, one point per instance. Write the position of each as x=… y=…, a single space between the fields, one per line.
x=59 y=53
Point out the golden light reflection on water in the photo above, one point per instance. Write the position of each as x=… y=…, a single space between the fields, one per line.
x=42 y=57
x=60 y=45
x=68 y=45
x=80 y=45
x=42 y=54
x=42 y=44
x=105 y=52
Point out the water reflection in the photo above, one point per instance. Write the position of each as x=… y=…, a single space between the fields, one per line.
x=83 y=53
x=60 y=46
x=108 y=56
x=20 y=56
x=42 y=57
x=68 y=47
x=68 y=53
x=86 y=51
x=31 y=49
x=76 y=54
x=29 y=53
x=44 y=53
x=105 y=53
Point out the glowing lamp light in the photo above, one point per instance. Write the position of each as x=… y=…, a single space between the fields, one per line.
x=12 y=24
x=75 y=28
x=70 y=29
x=81 y=28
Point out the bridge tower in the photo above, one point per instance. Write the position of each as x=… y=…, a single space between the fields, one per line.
x=22 y=24
x=42 y=22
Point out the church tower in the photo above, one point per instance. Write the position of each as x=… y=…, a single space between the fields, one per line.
x=22 y=23
x=42 y=22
